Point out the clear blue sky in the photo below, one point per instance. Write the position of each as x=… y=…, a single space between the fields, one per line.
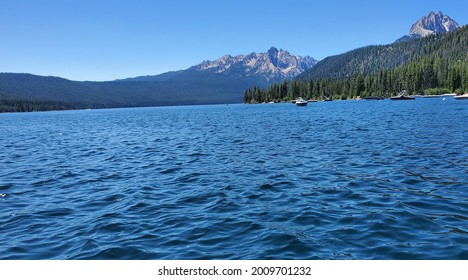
x=106 y=40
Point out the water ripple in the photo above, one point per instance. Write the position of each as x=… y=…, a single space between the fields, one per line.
x=337 y=180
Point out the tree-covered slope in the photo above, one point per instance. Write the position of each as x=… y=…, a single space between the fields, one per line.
x=39 y=88
x=371 y=59
x=41 y=92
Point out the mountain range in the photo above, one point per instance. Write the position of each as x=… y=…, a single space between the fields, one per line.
x=263 y=68
x=210 y=82
x=224 y=80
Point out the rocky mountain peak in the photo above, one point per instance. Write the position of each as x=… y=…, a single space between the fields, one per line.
x=273 y=50
x=433 y=23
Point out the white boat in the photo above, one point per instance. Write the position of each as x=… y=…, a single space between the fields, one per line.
x=402 y=96
x=301 y=102
x=460 y=97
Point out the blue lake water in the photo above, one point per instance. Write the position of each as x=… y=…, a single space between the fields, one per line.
x=333 y=180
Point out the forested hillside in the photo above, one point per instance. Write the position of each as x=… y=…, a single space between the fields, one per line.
x=451 y=46
x=36 y=91
x=430 y=65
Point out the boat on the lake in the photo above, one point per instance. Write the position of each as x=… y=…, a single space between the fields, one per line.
x=402 y=96
x=301 y=102
x=461 y=97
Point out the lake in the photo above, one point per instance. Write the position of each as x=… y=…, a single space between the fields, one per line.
x=332 y=180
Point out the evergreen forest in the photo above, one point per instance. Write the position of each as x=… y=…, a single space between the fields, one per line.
x=437 y=64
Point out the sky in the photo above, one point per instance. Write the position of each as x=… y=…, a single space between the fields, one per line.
x=106 y=40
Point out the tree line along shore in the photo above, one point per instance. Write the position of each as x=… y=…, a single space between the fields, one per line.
x=428 y=76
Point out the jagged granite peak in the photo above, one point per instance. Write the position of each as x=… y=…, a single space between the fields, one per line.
x=433 y=23
x=273 y=65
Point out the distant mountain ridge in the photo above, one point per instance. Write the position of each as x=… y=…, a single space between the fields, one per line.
x=114 y=94
x=273 y=65
x=263 y=68
x=433 y=23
